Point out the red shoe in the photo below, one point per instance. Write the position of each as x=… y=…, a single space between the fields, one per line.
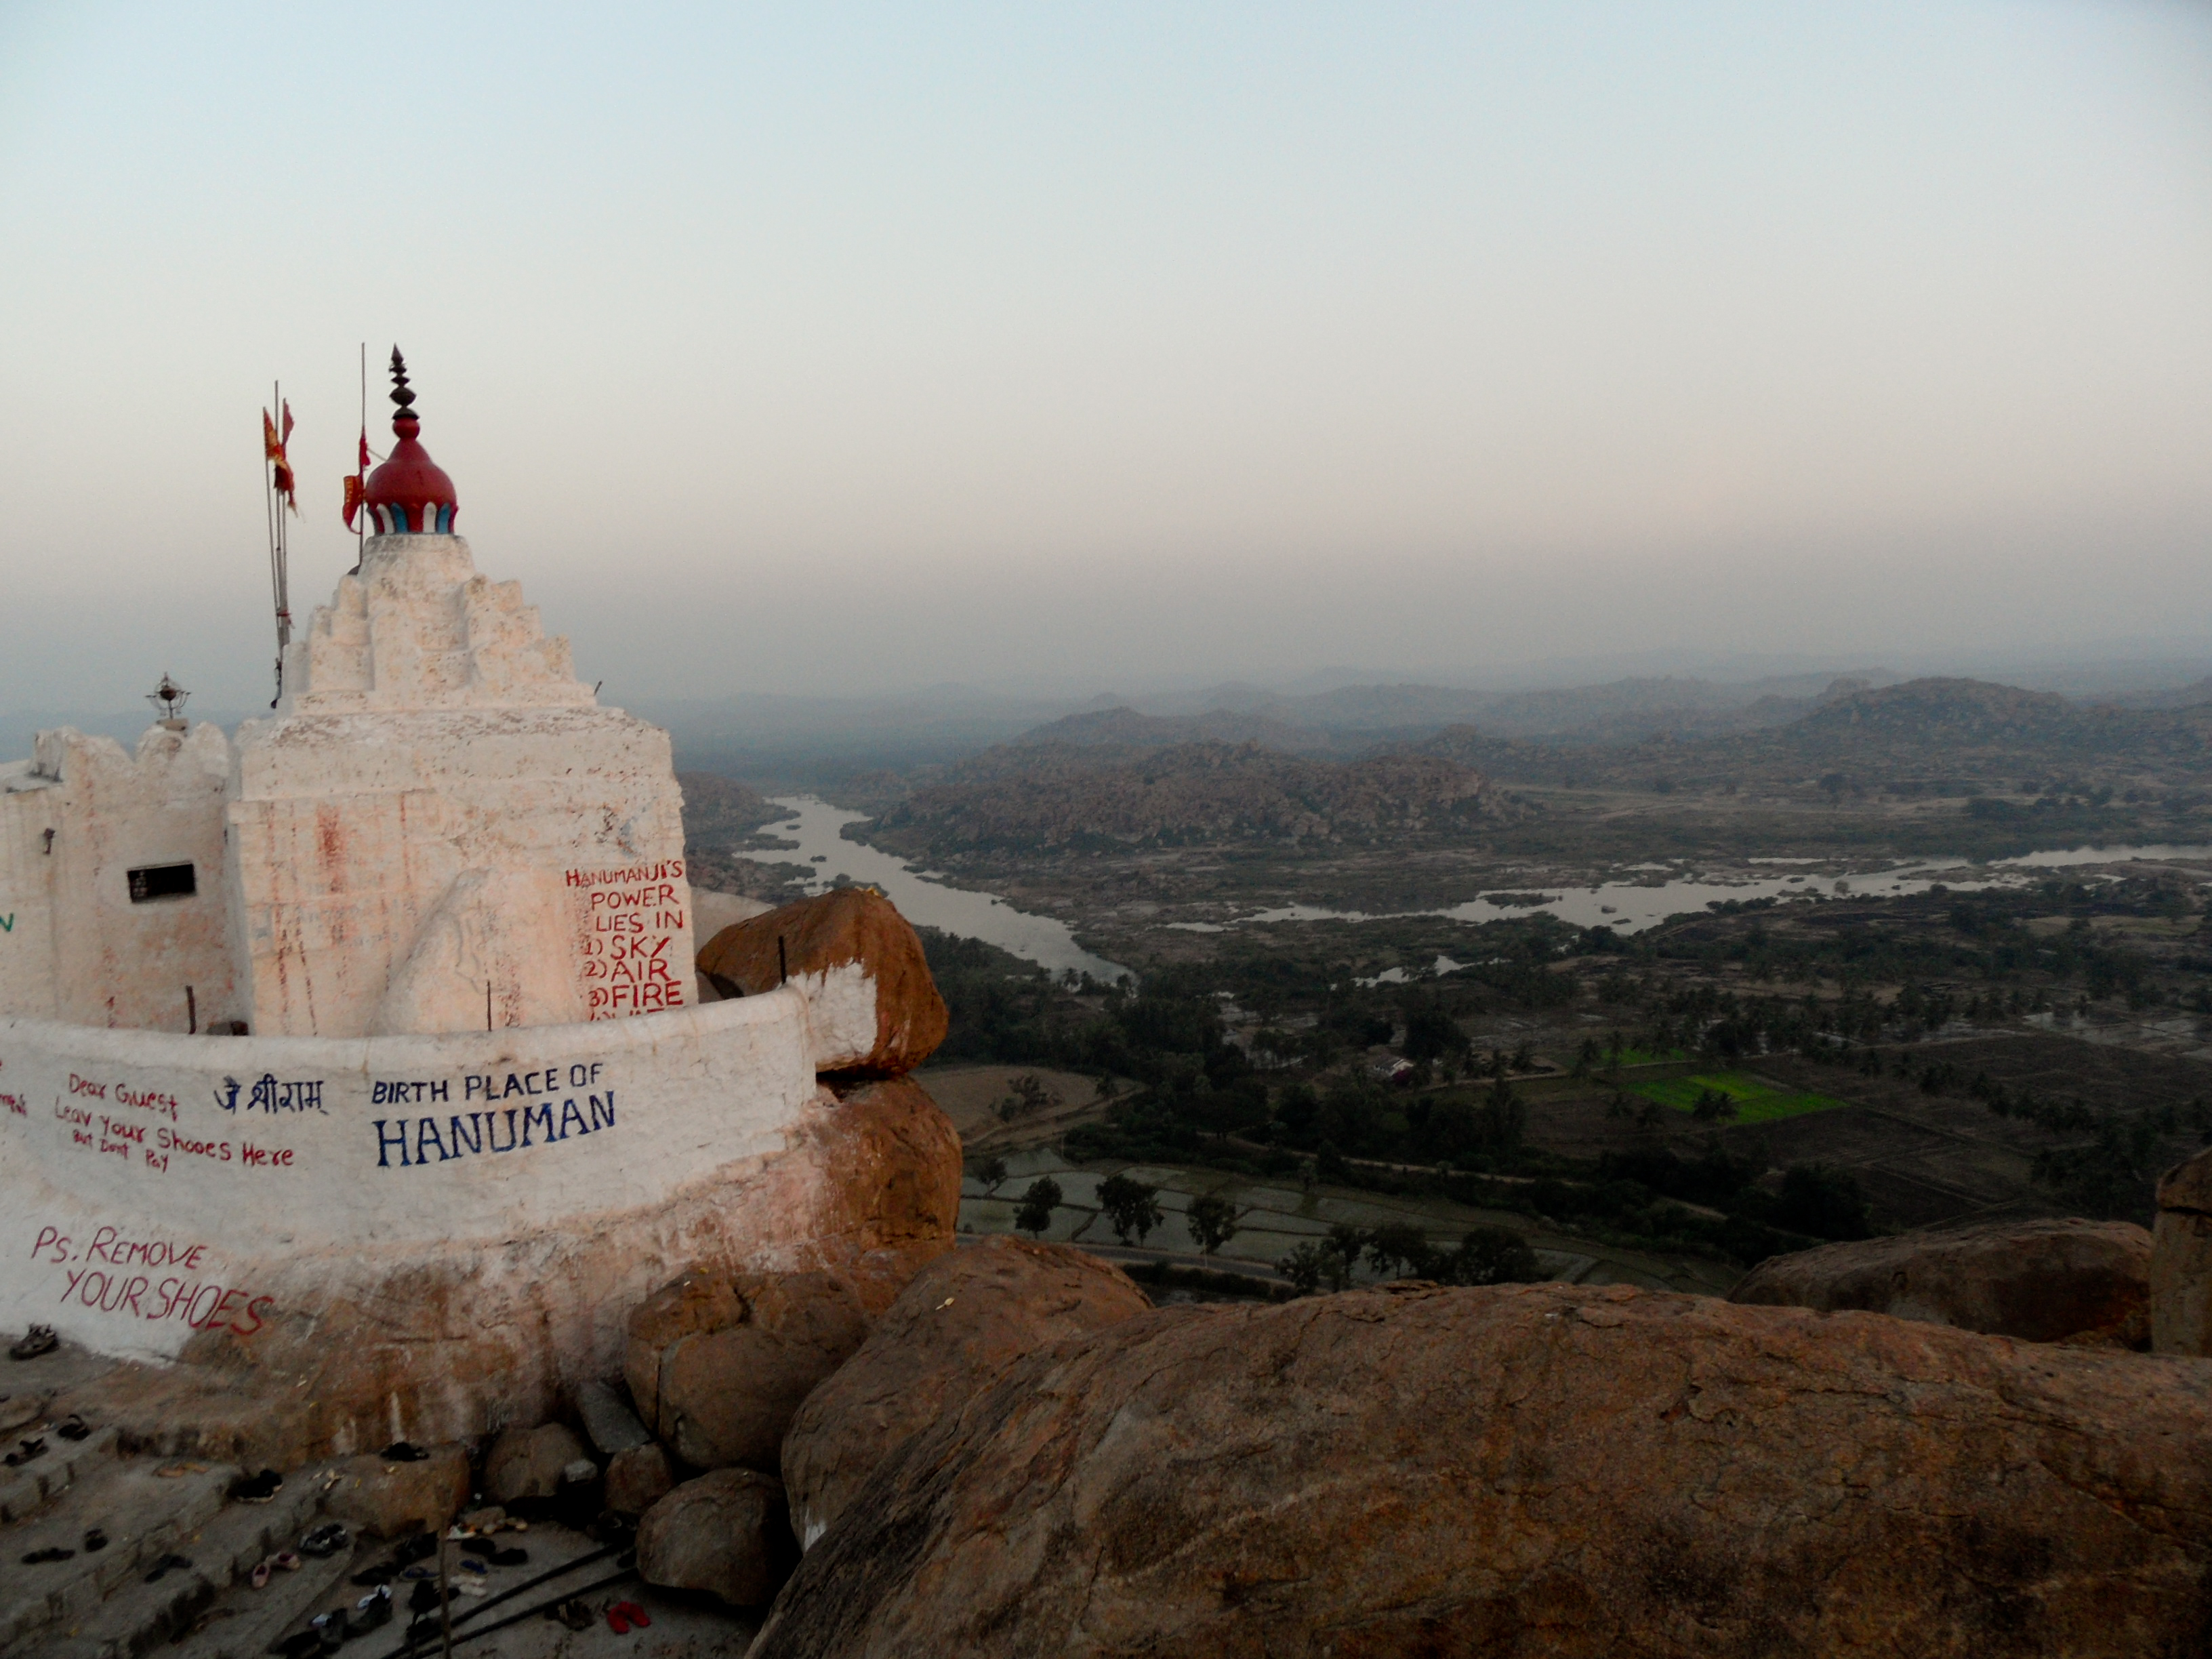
x=616 y=1620
x=636 y=1615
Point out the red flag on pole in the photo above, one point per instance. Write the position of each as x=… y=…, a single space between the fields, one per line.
x=272 y=446
x=358 y=482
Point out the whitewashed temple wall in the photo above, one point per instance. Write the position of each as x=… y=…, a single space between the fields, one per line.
x=76 y=944
x=441 y=831
x=151 y=1179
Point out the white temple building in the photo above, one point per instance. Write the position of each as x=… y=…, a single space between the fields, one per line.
x=439 y=830
x=365 y=1045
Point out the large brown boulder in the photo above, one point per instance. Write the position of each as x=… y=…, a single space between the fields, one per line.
x=2181 y=1259
x=726 y=1533
x=1555 y=1469
x=874 y=1007
x=963 y=1319
x=2042 y=1281
x=527 y=1462
x=386 y=1499
x=718 y=1363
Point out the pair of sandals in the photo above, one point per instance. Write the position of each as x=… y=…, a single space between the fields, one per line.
x=623 y=1617
x=94 y=1542
x=282 y=1561
x=257 y=1488
x=326 y=1539
x=26 y=1451
x=39 y=1339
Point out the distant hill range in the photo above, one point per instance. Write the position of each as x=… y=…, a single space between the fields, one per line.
x=1103 y=780
x=1944 y=735
x=1116 y=777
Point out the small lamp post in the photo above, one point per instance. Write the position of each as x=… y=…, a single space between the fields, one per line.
x=169 y=697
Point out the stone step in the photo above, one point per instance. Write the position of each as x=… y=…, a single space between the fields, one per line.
x=144 y=1513
x=28 y=1490
x=138 y=1617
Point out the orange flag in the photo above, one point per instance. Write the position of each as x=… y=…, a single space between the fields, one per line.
x=356 y=485
x=272 y=447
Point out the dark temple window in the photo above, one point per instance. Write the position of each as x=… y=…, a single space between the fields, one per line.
x=160 y=881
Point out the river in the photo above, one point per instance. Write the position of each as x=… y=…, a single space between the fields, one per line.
x=817 y=828
x=1628 y=907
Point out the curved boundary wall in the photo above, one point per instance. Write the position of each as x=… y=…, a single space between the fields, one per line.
x=150 y=1182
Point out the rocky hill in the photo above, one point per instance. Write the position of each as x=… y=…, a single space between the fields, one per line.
x=720 y=812
x=1068 y=795
x=1954 y=735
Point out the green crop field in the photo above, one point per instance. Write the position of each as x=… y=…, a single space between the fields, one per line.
x=1755 y=1101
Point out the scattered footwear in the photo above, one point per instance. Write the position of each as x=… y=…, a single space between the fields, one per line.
x=24 y=1453
x=166 y=1566
x=371 y=1612
x=574 y=1614
x=259 y=1576
x=470 y=1587
x=420 y=1575
x=637 y=1615
x=325 y=1540
x=72 y=1427
x=419 y=1548
x=257 y=1488
x=382 y=1573
x=39 y=1339
x=288 y=1559
x=424 y=1599
x=469 y=1564
x=52 y=1552
x=178 y=1470
x=515 y=1556
x=401 y=1451
x=95 y=1541
x=617 y=1621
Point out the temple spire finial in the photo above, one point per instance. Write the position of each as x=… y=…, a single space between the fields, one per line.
x=401 y=394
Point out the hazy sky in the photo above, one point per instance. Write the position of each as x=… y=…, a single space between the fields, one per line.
x=816 y=346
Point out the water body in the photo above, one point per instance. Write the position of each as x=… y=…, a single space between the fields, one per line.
x=1630 y=907
x=1627 y=907
x=817 y=827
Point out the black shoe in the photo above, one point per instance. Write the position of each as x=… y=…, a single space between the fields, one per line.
x=39 y=1339
x=24 y=1452
x=326 y=1539
x=476 y=1547
x=72 y=1428
x=370 y=1613
x=167 y=1565
x=516 y=1557
x=94 y=1542
x=298 y=1645
x=382 y=1573
x=420 y=1546
x=52 y=1552
x=400 y=1451
x=424 y=1598
x=257 y=1488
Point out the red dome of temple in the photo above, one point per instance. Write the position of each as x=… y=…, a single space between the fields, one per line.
x=409 y=494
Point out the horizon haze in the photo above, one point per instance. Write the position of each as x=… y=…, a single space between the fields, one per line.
x=1126 y=348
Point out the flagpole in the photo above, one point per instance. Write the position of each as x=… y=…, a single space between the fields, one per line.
x=270 y=510
x=361 y=524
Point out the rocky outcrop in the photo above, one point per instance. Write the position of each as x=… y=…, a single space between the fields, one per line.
x=1058 y=796
x=2042 y=1281
x=638 y=1478
x=386 y=1498
x=527 y=1462
x=2181 y=1259
x=719 y=1364
x=1535 y=1468
x=963 y=1320
x=726 y=1533
x=874 y=1008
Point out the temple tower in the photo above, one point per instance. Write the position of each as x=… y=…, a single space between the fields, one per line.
x=440 y=829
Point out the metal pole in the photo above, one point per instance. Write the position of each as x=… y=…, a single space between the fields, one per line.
x=445 y=1601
